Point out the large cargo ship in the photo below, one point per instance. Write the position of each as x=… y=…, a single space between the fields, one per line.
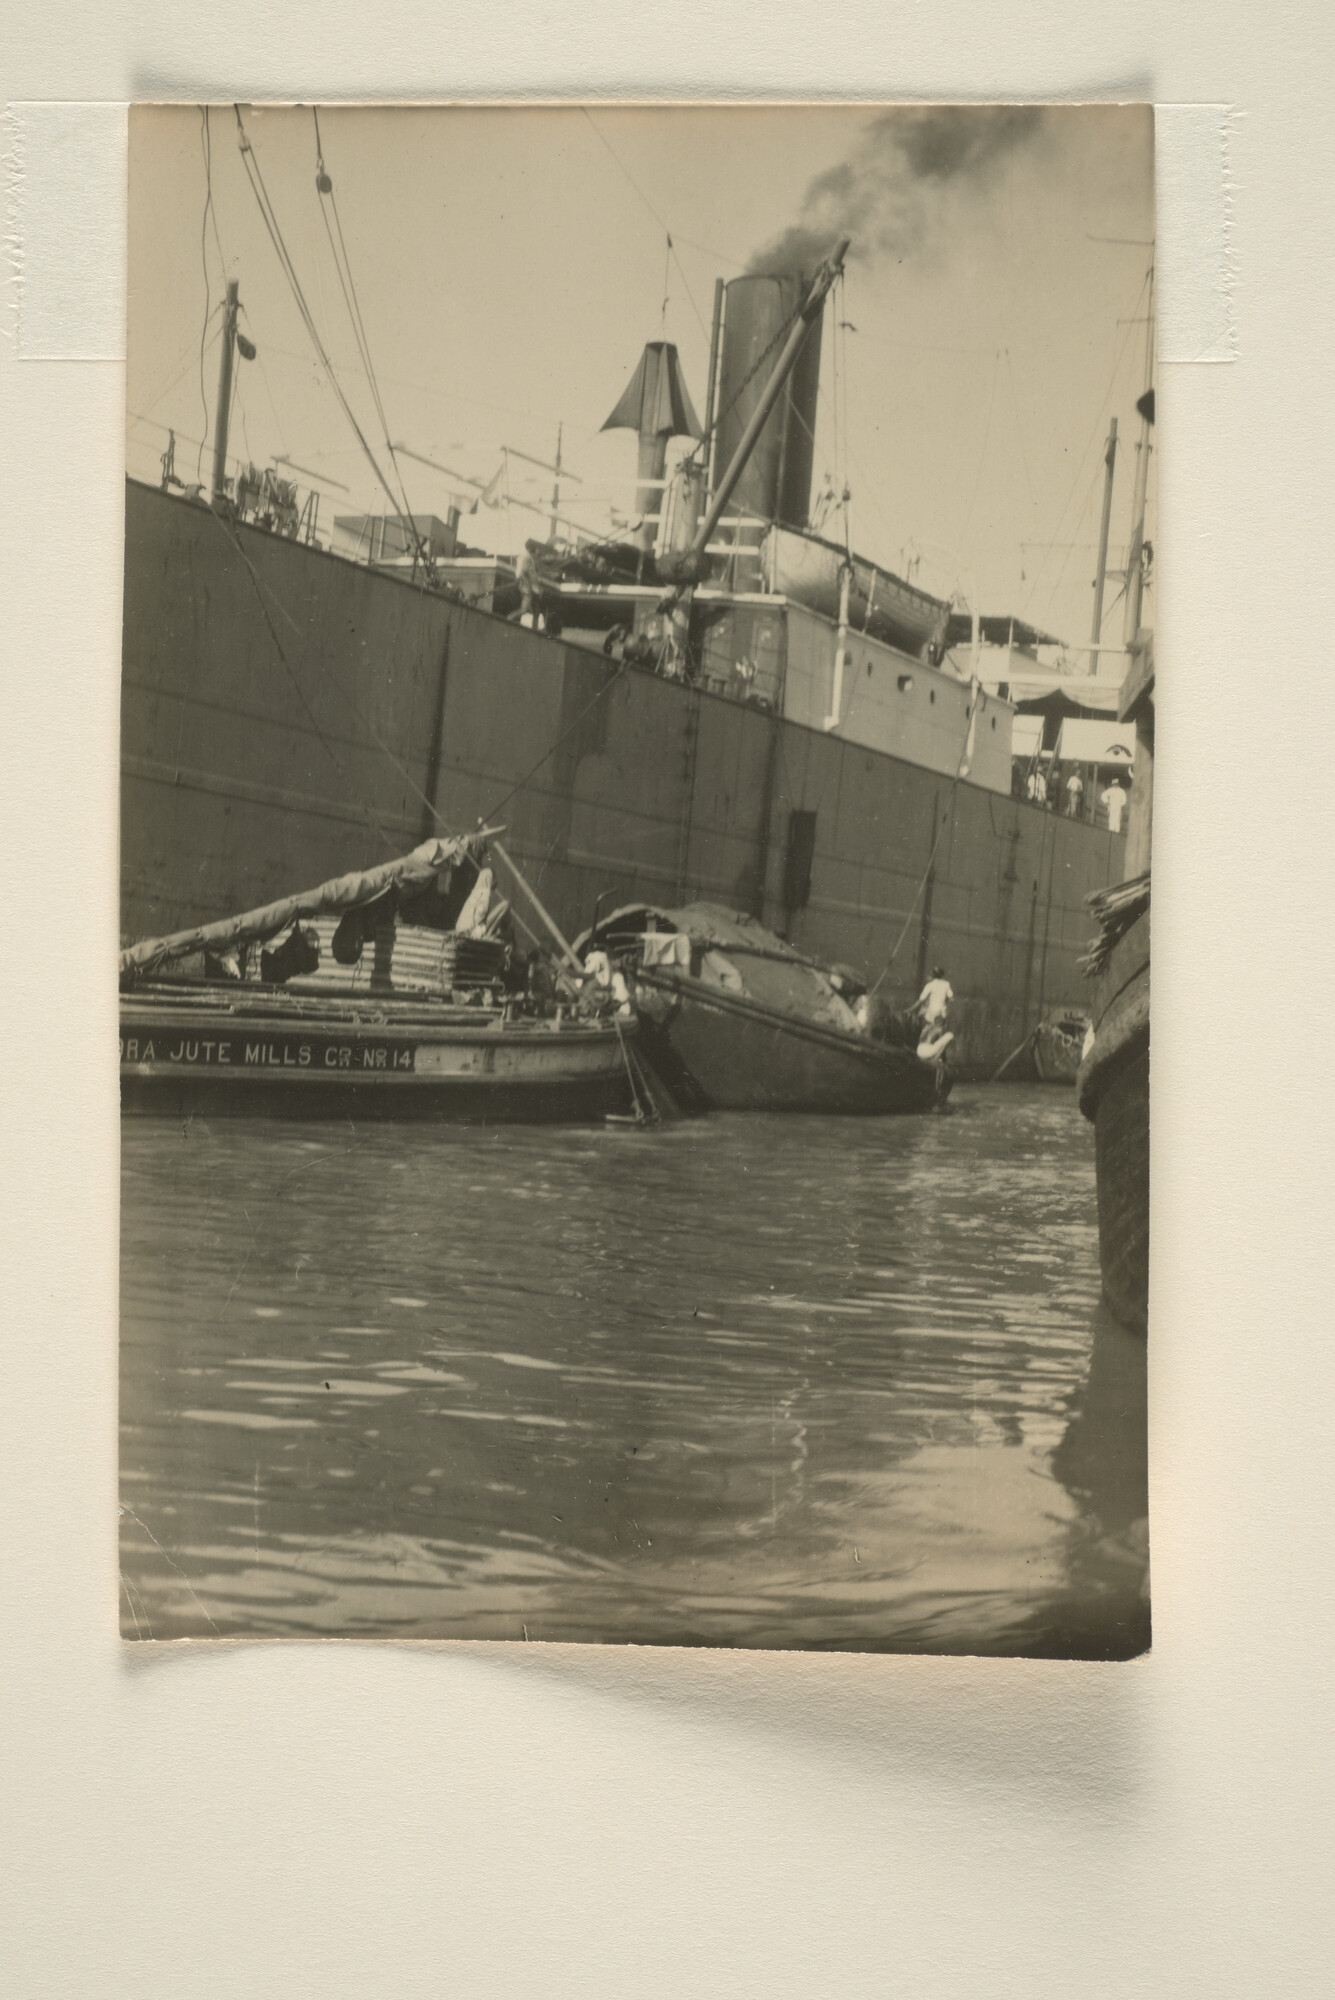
x=787 y=732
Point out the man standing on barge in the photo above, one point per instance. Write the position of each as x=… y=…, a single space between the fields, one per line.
x=934 y=1003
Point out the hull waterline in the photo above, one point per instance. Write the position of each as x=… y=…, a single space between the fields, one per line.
x=741 y=1056
x=188 y=1054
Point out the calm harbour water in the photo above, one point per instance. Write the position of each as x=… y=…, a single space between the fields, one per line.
x=738 y=1381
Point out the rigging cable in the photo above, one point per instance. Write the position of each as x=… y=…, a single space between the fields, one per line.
x=334 y=759
x=184 y=360
x=270 y=219
x=1075 y=480
x=1147 y=280
x=268 y=390
x=671 y=249
x=210 y=210
x=348 y=285
x=207 y=146
x=946 y=819
x=588 y=709
x=365 y=721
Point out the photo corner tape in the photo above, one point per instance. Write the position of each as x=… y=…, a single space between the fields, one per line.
x=1195 y=260
x=66 y=165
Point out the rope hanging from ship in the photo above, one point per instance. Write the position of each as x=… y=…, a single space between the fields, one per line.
x=330 y=752
x=391 y=842
x=324 y=188
x=946 y=819
x=421 y=797
x=549 y=753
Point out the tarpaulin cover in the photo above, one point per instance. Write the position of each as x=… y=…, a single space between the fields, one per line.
x=767 y=969
x=1087 y=742
x=671 y=948
x=342 y=892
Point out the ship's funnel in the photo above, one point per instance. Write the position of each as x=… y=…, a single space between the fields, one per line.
x=656 y=406
x=776 y=485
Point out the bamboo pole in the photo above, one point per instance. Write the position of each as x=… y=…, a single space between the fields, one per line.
x=538 y=904
x=1014 y=1052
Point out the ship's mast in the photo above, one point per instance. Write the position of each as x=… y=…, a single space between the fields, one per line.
x=1135 y=554
x=1101 y=576
x=712 y=387
x=556 y=487
x=219 y=493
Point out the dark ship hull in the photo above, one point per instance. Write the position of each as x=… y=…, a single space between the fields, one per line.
x=737 y=1055
x=287 y=714
x=1058 y=1045
x=1114 y=1093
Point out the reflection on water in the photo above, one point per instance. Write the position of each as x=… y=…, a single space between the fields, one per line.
x=740 y=1381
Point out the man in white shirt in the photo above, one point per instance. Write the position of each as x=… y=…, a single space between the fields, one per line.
x=1115 y=801
x=934 y=1001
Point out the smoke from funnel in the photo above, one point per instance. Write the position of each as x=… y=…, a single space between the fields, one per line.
x=885 y=193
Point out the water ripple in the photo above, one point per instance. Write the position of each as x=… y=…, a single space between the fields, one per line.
x=752 y=1381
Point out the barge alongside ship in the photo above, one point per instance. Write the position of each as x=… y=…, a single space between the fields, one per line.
x=732 y=1019
x=776 y=726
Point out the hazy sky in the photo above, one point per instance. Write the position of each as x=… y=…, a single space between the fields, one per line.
x=510 y=264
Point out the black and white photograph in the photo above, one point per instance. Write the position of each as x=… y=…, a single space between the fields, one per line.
x=636 y=770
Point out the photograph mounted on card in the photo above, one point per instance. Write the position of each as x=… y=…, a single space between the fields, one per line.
x=637 y=740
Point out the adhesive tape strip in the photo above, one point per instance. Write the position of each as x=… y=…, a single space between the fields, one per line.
x=1194 y=265
x=67 y=167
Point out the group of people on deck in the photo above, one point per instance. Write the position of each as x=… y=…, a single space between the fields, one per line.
x=1112 y=799
x=1044 y=789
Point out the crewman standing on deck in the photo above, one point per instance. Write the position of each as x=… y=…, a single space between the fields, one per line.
x=934 y=1002
x=1114 y=803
